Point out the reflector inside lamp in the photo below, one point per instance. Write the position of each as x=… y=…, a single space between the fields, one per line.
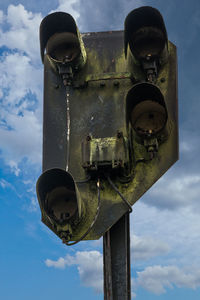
x=146 y=109
x=147 y=42
x=63 y=47
x=61 y=204
x=148 y=117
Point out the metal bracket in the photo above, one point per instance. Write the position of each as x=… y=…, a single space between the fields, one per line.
x=150 y=67
x=105 y=152
x=116 y=253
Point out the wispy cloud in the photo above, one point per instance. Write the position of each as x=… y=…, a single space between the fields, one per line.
x=5 y=184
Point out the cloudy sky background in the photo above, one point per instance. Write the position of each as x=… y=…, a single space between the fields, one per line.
x=165 y=223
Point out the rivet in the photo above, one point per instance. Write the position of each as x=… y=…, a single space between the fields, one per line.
x=119 y=134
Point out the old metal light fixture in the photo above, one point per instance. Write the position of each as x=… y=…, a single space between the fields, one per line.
x=146 y=35
x=146 y=109
x=59 y=198
x=61 y=40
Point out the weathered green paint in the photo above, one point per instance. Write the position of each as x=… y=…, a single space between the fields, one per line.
x=98 y=109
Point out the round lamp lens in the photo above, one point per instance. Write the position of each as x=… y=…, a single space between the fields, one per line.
x=148 y=117
x=61 y=204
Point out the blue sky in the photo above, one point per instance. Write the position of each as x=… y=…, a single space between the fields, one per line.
x=165 y=223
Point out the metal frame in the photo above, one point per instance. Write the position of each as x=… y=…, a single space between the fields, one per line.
x=116 y=254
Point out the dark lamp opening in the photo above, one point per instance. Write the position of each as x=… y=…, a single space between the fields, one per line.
x=58 y=22
x=145 y=32
x=146 y=109
x=57 y=195
x=61 y=204
x=63 y=47
x=147 y=42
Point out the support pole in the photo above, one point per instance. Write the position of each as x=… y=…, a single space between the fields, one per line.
x=116 y=253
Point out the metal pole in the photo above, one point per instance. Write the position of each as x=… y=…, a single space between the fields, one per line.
x=116 y=253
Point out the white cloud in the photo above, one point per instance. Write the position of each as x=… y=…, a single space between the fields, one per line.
x=186 y=146
x=33 y=205
x=157 y=279
x=1 y=16
x=1 y=94
x=89 y=264
x=5 y=184
x=22 y=32
x=14 y=167
x=18 y=78
x=23 y=141
x=144 y=248
x=172 y=192
x=179 y=229
x=68 y=7
x=60 y=263
x=20 y=88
